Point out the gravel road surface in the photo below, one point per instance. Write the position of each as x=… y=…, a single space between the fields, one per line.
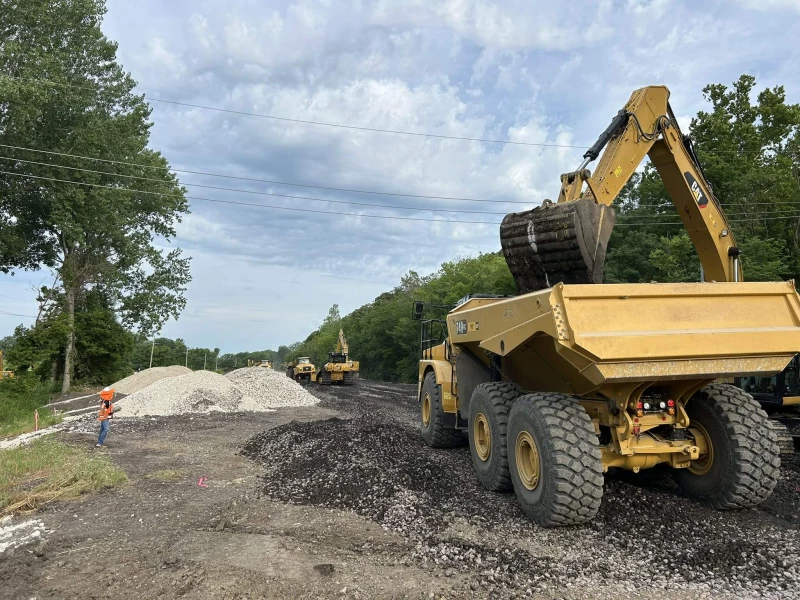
x=342 y=500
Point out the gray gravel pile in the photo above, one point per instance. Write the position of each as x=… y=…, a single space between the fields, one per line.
x=244 y=390
x=266 y=388
x=142 y=379
x=196 y=392
x=647 y=536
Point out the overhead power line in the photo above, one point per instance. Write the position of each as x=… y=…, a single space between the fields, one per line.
x=345 y=126
x=258 y=193
x=270 y=181
x=325 y=212
x=13 y=298
x=309 y=122
x=304 y=210
x=9 y=314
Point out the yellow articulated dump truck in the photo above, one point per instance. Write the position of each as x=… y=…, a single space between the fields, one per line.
x=339 y=368
x=301 y=370
x=267 y=364
x=571 y=377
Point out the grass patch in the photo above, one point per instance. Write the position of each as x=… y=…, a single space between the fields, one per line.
x=48 y=470
x=166 y=475
x=19 y=397
x=23 y=424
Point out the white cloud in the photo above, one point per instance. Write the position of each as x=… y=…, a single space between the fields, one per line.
x=535 y=72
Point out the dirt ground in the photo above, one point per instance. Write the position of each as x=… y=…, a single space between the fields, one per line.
x=298 y=504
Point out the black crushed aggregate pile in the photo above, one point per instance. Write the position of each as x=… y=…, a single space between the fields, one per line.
x=646 y=533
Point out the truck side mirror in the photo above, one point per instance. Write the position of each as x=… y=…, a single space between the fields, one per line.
x=419 y=306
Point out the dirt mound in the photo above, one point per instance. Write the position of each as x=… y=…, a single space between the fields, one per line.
x=142 y=379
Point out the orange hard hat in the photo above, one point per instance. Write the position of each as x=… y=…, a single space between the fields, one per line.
x=107 y=393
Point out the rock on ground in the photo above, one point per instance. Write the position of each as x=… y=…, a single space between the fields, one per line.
x=646 y=536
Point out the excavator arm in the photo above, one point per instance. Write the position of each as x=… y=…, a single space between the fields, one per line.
x=566 y=241
x=341 y=345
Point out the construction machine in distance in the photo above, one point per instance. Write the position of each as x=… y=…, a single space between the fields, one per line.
x=267 y=364
x=301 y=369
x=572 y=377
x=339 y=368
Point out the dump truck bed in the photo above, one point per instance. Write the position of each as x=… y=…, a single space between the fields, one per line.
x=576 y=338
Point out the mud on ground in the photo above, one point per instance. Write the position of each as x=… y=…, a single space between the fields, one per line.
x=343 y=500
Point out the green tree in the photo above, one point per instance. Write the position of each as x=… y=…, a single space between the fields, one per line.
x=61 y=90
x=749 y=147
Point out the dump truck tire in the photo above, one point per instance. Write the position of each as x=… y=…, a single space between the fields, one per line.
x=745 y=461
x=488 y=425
x=432 y=424
x=556 y=466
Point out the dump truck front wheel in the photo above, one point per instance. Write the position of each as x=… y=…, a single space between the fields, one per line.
x=741 y=464
x=488 y=426
x=433 y=420
x=556 y=466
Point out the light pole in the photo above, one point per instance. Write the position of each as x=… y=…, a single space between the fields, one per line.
x=153 y=347
x=205 y=356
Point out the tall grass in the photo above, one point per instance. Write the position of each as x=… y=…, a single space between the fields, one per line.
x=19 y=398
x=48 y=470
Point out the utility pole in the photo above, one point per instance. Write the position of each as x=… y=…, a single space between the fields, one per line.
x=205 y=356
x=187 y=357
x=153 y=347
x=216 y=361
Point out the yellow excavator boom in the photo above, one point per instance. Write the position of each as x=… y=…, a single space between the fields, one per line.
x=566 y=242
x=341 y=345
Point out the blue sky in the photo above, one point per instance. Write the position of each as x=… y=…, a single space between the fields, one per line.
x=525 y=71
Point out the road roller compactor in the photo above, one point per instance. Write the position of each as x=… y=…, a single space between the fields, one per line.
x=572 y=377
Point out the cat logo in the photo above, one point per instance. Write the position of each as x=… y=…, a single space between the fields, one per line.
x=618 y=171
x=696 y=190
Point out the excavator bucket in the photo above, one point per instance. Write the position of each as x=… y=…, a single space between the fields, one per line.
x=555 y=243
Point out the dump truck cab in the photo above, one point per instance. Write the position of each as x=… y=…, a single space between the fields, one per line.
x=301 y=370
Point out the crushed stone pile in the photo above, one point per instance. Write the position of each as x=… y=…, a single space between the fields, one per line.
x=140 y=380
x=245 y=390
x=269 y=388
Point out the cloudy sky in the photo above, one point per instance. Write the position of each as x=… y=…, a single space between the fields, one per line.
x=521 y=70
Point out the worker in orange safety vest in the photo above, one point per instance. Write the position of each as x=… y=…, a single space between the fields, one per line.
x=106 y=413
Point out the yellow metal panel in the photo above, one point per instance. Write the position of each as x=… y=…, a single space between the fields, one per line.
x=660 y=321
x=791 y=400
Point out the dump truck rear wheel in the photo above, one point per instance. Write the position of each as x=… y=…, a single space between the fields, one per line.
x=556 y=466
x=742 y=464
x=488 y=425
x=432 y=422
